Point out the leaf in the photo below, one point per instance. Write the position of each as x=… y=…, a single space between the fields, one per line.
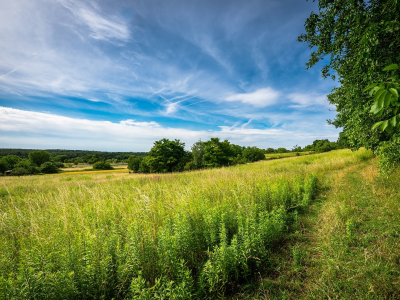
x=384 y=125
x=391 y=67
x=379 y=93
x=393 y=121
x=376 y=125
x=394 y=92
x=370 y=86
x=387 y=99
x=373 y=108
x=388 y=128
x=381 y=99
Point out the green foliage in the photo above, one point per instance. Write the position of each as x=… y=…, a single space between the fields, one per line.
x=359 y=38
x=49 y=168
x=253 y=154
x=102 y=165
x=198 y=152
x=60 y=158
x=134 y=163
x=144 y=166
x=3 y=166
x=39 y=157
x=282 y=150
x=10 y=161
x=386 y=96
x=217 y=153
x=389 y=155
x=269 y=150
x=19 y=171
x=168 y=156
x=28 y=165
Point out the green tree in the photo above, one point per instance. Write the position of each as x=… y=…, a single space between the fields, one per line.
x=3 y=166
x=48 y=167
x=102 y=165
x=359 y=38
x=134 y=163
x=217 y=153
x=282 y=150
x=197 y=152
x=39 y=157
x=253 y=154
x=144 y=166
x=60 y=158
x=168 y=156
x=10 y=161
x=270 y=150
x=28 y=165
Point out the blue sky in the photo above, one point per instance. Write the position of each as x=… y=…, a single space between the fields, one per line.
x=118 y=75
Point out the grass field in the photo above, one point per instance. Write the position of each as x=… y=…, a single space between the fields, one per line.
x=303 y=227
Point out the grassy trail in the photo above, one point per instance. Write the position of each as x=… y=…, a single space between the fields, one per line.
x=348 y=244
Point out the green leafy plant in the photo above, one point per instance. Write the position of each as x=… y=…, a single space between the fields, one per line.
x=386 y=98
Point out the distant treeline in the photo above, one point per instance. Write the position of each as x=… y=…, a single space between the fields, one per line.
x=72 y=154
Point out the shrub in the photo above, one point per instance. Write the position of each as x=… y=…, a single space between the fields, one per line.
x=144 y=165
x=102 y=165
x=28 y=165
x=389 y=155
x=134 y=163
x=252 y=154
x=19 y=171
x=49 y=168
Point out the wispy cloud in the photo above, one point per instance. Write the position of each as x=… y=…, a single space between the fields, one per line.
x=260 y=98
x=101 y=28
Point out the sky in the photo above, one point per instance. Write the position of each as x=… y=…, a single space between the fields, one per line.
x=117 y=75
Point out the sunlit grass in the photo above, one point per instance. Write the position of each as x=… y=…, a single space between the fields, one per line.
x=113 y=234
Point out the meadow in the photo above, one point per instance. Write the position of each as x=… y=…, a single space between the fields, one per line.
x=227 y=232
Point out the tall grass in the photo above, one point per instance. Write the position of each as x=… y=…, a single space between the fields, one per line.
x=174 y=236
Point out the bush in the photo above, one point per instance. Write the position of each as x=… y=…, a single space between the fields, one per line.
x=19 y=171
x=49 y=168
x=28 y=165
x=102 y=165
x=134 y=163
x=252 y=154
x=389 y=155
x=144 y=165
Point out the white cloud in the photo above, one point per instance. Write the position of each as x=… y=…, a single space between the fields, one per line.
x=101 y=28
x=37 y=130
x=260 y=98
x=305 y=100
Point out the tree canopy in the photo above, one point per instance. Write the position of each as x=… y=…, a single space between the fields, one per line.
x=39 y=157
x=358 y=39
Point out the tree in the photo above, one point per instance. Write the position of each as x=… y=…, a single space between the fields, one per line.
x=10 y=161
x=270 y=150
x=253 y=154
x=3 y=166
x=60 y=158
x=217 y=153
x=49 y=168
x=282 y=150
x=102 y=165
x=28 y=165
x=134 y=163
x=39 y=157
x=360 y=38
x=168 y=156
x=198 y=152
